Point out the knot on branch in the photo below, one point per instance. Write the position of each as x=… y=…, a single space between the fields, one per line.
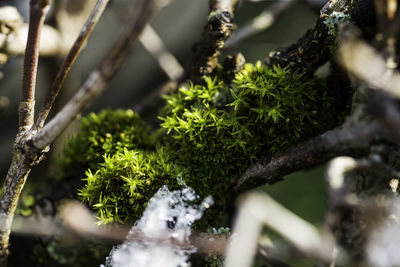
x=219 y=23
x=24 y=145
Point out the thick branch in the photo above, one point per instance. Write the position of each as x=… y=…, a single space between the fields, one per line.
x=69 y=61
x=339 y=141
x=315 y=47
x=38 y=10
x=212 y=40
x=12 y=188
x=24 y=157
x=100 y=77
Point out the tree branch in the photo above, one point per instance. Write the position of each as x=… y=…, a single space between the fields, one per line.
x=315 y=47
x=38 y=10
x=363 y=61
x=212 y=40
x=344 y=140
x=22 y=159
x=69 y=61
x=100 y=77
x=166 y=60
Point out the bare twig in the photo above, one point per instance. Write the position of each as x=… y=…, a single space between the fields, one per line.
x=22 y=161
x=260 y=23
x=38 y=10
x=168 y=63
x=386 y=13
x=258 y=209
x=69 y=61
x=212 y=40
x=75 y=221
x=344 y=140
x=363 y=61
x=27 y=152
x=355 y=218
x=100 y=77
x=156 y=47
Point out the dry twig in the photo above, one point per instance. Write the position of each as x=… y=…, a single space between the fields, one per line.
x=100 y=77
x=69 y=61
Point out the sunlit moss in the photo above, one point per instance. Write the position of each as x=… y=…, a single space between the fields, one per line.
x=105 y=133
x=209 y=135
x=225 y=127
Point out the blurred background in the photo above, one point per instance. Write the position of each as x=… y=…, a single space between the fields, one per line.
x=179 y=26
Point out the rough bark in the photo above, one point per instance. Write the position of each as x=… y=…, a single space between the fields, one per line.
x=316 y=46
x=212 y=40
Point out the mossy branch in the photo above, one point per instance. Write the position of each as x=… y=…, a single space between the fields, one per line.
x=315 y=47
x=337 y=142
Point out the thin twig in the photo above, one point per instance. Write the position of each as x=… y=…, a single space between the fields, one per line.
x=167 y=61
x=260 y=23
x=258 y=209
x=100 y=77
x=152 y=42
x=38 y=10
x=69 y=61
x=363 y=61
x=386 y=13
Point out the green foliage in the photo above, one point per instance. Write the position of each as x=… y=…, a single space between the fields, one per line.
x=209 y=135
x=120 y=189
x=262 y=111
x=105 y=133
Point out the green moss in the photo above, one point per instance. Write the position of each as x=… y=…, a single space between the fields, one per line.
x=209 y=135
x=120 y=189
x=105 y=133
x=262 y=111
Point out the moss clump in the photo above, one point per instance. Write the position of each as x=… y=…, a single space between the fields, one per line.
x=120 y=189
x=210 y=134
x=224 y=127
x=105 y=133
